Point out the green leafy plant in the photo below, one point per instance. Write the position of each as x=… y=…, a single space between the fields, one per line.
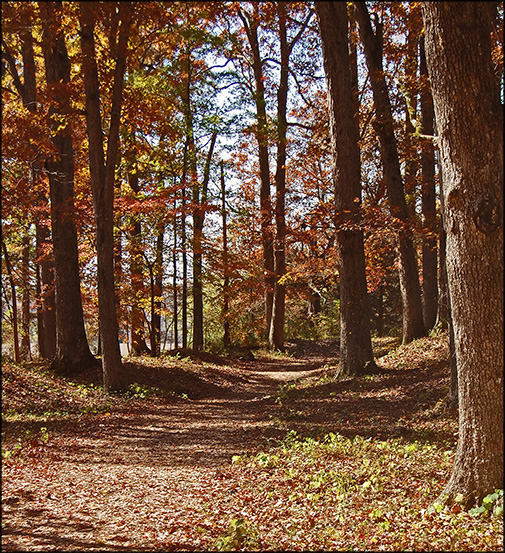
x=140 y=391
x=240 y=534
x=14 y=452
x=283 y=392
x=492 y=503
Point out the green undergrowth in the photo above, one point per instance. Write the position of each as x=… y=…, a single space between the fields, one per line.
x=336 y=493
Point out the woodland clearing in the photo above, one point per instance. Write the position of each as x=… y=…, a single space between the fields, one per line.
x=214 y=453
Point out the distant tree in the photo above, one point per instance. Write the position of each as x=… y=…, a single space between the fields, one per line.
x=356 y=355
x=413 y=324
x=251 y=25
x=428 y=200
x=14 y=300
x=469 y=119
x=26 y=86
x=102 y=171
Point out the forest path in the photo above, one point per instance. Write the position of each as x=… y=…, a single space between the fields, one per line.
x=143 y=478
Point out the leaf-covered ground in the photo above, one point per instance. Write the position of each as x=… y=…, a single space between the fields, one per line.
x=264 y=453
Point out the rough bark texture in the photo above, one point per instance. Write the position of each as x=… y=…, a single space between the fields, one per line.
x=444 y=305
x=413 y=324
x=356 y=355
x=102 y=170
x=470 y=137
x=72 y=349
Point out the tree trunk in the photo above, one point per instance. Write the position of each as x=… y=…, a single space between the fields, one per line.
x=46 y=311
x=158 y=291
x=46 y=314
x=251 y=28
x=356 y=355
x=139 y=345
x=470 y=138
x=15 y=332
x=380 y=312
x=276 y=333
x=102 y=171
x=410 y=92
x=26 y=354
x=72 y=349
x=175 y=290
x=184 y=272
x=413 y=325
x=226 y=277
x=199 y=201
x=444 y=306
x=428 y=202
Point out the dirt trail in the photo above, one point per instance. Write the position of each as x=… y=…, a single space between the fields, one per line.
x=135 y=480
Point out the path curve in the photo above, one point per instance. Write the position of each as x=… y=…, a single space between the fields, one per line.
x=136 y=480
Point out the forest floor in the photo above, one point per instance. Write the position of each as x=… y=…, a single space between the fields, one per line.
x=251 y=452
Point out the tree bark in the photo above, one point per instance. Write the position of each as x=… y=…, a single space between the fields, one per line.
x=72 y=349
x=226 y=276
x=428 y=201
x=26 y=353
x=158 y=291
x=174 y=282
x=444 y=305
x=276 y=331
x=199 y=202
x=184 y=298
x=15 y=331
x=356 y=355
x=139 y=345
x=46 y=311
x=469 y=120
x=413 y=325
x=102 y=171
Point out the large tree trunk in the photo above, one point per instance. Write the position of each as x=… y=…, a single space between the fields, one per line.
x=102 y=171
x=428 y=202
x=413 y=324
x=72 y=349
x=356 y=355
x=444 y=305
x=470 y=138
